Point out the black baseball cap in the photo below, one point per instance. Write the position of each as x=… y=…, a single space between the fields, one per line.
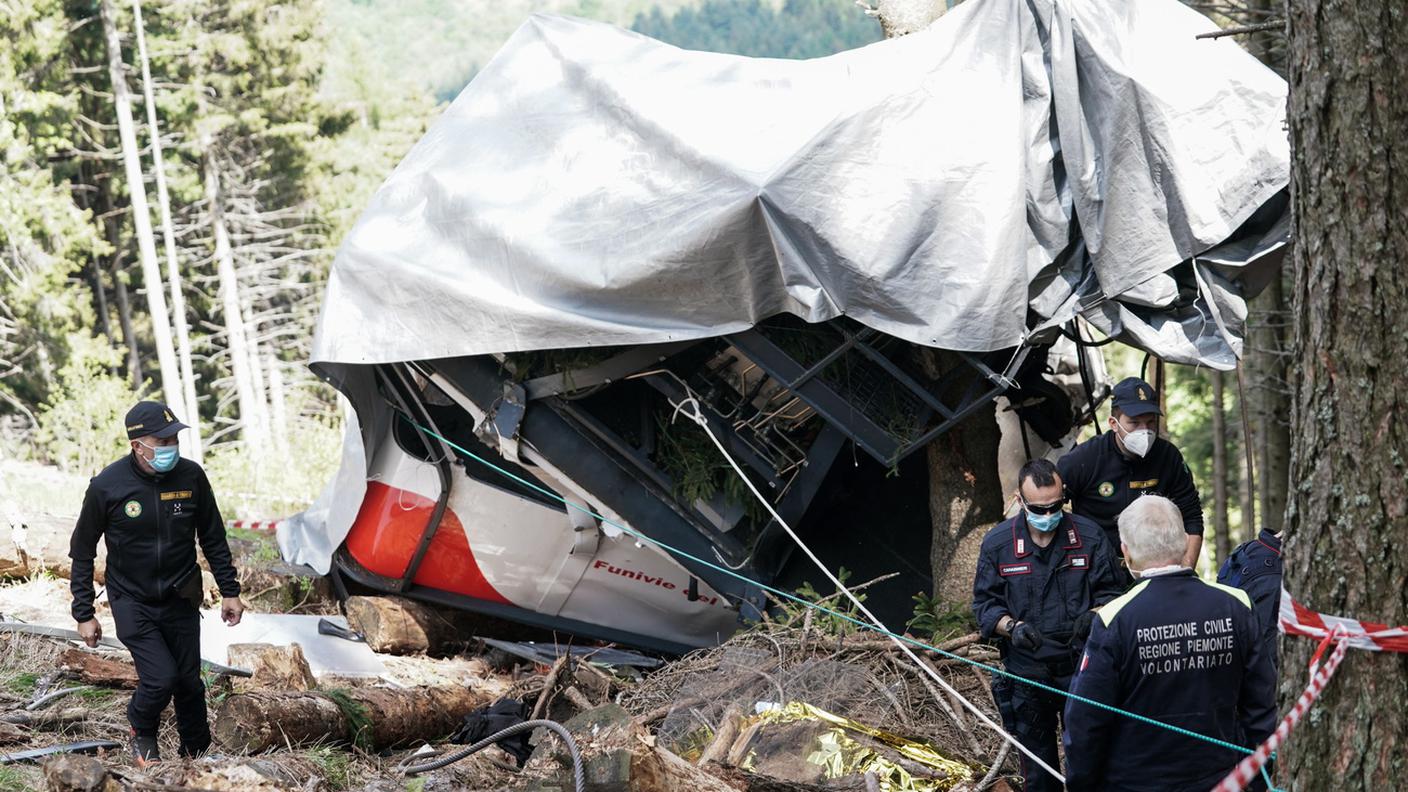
x=1135 y=397
x=152 y=418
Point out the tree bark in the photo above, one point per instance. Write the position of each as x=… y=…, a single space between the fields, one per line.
x=1271 y=418
x=400 y=626
x=191 y=446
x=1348 y=68
x=380 y=717
x=100 y=300
x=1222 y=539
x=278 y=404
x=113 y=232
x=94 y=669
x=965 y=491
x=171 y=387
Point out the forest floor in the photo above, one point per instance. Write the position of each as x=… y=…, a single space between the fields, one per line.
x=692 y=722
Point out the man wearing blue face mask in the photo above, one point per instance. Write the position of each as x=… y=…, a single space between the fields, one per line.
x=1040 y=576
x=152 y=508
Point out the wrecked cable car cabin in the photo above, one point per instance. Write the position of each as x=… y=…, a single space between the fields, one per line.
x=536 y=306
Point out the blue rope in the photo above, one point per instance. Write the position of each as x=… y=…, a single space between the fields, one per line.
x=823 y=609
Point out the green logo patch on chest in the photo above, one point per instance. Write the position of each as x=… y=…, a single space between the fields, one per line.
x=132 y=509
x=1106 y=489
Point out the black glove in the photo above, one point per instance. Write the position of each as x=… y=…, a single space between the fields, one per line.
x=1081 y=630
x=1025 y=636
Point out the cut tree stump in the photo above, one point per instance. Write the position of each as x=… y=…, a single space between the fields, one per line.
x=400 y=626
x=274 y=667
x=94 y=669
x=375 y=718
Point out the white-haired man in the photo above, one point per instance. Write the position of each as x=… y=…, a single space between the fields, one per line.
x=1175 y=649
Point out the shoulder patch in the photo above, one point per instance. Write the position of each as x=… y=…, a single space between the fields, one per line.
x=1111 y=608
x=1236 y=592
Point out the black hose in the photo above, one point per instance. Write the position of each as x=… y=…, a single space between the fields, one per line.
x=578 y=775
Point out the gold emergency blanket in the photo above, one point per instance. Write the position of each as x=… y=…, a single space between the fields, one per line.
x=840 y=755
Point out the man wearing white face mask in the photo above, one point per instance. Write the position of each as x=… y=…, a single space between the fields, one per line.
x=1106 y=473
x=152 y=508
x=1040 y=575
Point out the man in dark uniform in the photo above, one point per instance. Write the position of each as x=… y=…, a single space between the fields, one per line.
x=1256 y=568
x=1174 y=649
x=1039 y=576
x=151 y=508
x=1106 y=473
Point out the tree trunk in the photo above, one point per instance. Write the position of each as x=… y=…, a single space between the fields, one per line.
x=100 y=299
x=1244 y=461
x=235 y=335
x=113 y=233
x=124 y=320
x=1345 y=518
x=379 y=717
x=278 y=404
x=1272 y=416
x=171 y=386
x=1222 y=537
x=965 y=490
x=256 y=370
x=191 y=446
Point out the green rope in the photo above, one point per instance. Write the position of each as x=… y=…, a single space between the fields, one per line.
x=823 y=609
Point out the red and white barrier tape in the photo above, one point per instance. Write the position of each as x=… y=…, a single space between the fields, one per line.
x=1296 y=619
x=261 y=526
x=1247 y=770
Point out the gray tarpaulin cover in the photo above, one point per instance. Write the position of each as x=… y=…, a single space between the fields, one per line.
x=592 y=186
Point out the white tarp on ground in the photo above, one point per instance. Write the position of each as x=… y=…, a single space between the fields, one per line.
x=595 y=187
x=592 y=186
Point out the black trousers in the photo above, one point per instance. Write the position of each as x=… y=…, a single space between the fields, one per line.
x=164 y=639
x=1032 y=715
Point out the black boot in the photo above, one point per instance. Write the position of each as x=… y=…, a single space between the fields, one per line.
x=144 y=749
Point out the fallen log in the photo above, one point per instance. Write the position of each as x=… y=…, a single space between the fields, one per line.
x=374 y=718
x=47 y=718
x=94 y=669
x=41 y=544
x=399 y=626
x=274 y=667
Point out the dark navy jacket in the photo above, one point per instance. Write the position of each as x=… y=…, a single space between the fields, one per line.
x=1100 y=481
x=1255 y=568
x=1049 y=587
x=1183 y=652
x=151 y=523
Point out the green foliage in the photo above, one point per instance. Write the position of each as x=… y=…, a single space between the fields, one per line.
x=18 y=779
x=80 y=425
x=248 y=487
x=794 y=613
x=357 y=717
x=801 y=29
x=23 y=683
x=334 y=765
x=45 y=236
x=936 y=620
